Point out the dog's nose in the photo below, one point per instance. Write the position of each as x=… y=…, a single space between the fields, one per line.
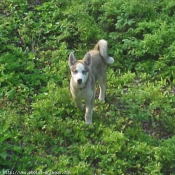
x=79 y=81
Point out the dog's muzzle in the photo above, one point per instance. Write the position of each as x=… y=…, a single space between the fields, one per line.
x=79 y=81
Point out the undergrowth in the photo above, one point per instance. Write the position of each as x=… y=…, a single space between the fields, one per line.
x=43 y=132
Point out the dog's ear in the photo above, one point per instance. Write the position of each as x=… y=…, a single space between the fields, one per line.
x=72 y=59
x=87 y=59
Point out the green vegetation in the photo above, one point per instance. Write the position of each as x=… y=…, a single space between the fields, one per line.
x=42 y=131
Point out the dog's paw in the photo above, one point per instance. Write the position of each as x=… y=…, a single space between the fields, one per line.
x=89 y=122
x=101 y=99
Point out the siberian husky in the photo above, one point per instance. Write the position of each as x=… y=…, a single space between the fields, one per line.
x=85 y=72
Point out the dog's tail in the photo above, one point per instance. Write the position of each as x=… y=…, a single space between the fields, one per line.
x=102 y=47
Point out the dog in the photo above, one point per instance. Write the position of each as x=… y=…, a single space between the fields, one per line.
x=84 y=74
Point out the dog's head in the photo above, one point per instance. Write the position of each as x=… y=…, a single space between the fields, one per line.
x=79 y=68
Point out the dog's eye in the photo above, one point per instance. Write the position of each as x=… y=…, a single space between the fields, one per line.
x=75 y=71
x=84 y=71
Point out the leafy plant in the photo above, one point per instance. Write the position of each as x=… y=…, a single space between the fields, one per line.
x=42 y=130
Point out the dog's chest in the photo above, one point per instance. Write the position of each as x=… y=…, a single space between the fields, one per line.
x=83 y=94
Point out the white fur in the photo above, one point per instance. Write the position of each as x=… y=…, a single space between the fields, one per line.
x=110 y=60
x=78 y=74
x=103 y=46
x=92 y=68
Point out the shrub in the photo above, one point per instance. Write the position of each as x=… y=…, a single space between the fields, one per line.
x=42 y=130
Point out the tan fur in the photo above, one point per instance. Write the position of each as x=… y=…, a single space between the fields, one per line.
x=95 y=61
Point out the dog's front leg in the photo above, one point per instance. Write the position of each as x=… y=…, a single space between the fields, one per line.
x=89 y=112
x=78 y=103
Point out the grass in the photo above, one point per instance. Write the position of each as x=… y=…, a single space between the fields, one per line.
x=129 y=133
x=42 y=131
